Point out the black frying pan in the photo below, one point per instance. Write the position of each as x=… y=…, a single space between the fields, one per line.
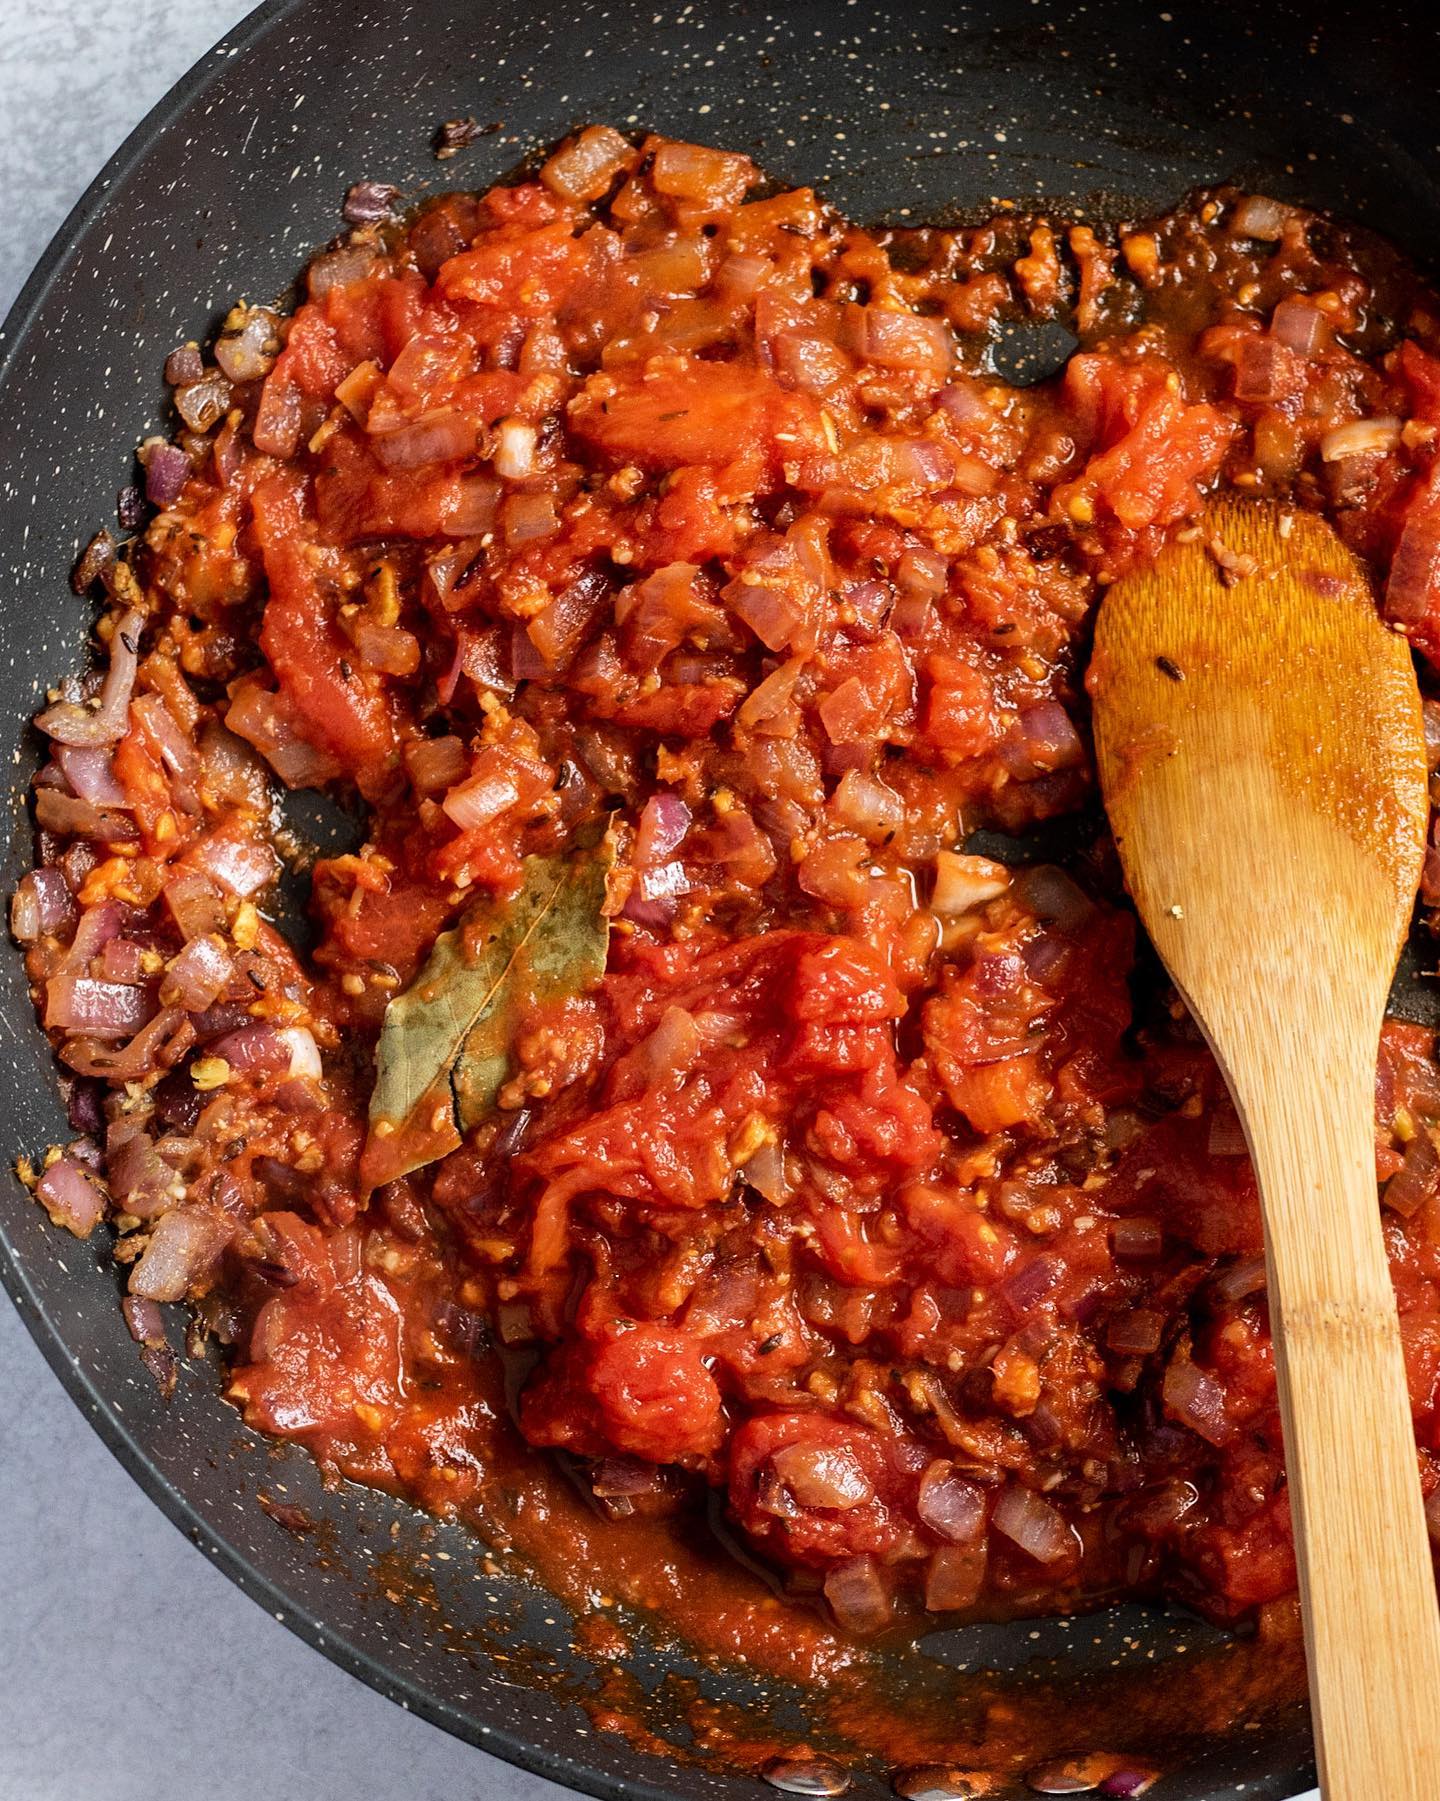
x=906 y=110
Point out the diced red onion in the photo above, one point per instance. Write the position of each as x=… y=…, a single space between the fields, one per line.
x=1258 y=216
x=1360 y=437
x=42 y=904
x=167 y=469
x=771 y=613
x=664 y=821
x=142 y=1182
x=1029 y=1521
x=97 y=1056
x=305 y=1064
x=1053 y=897
x=71 y=1196
x=653 y=900
x=1418 y=1178
x=442 y=436
x=1413 y=587
x=253 y=1047
x=1133 y=1240
x=181 y=1255
x=1127 y=1783
x=61 y=813
x=196 y=975
x=1246 y=1277
x=1432 y=1515
x=901 y=340
x=122 y=960
x=1298 y=324
x=434 y=764
x=470 y=512
x=183 y=366
x=767 y=1174
x=484 y=797
x=515 y=443
x=859 y=1595
x=242 y=865
x=177 y=753
x=338 y=268
x=195 y=903
x=963 y=883
x=922 y=572
x=871 y=807
x=71 y=723
x=950 y=1506
x=526 y=518
x=954 y=1576
x=1268 y=372
x=368 y=202
x=826 y=1476
x=1197 y=1400
x=247 y=347
x=1044 y=739
x=583 y=168
x=97 y=1009
x=144 y=1319
x=279 y=418
x=922 y=463
x=1135 y=1333
x=90 y=773
x=203 y=403
x=1227 y=1135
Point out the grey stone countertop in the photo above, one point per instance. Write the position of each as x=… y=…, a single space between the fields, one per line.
x=105 y=1602
x=120 y=1645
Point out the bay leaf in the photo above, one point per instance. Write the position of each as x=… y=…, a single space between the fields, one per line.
x=446 y=1042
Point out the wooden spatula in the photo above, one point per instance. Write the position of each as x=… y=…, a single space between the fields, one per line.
x=1262 y=758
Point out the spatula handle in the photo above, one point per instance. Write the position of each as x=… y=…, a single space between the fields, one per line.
x=1367 y=1582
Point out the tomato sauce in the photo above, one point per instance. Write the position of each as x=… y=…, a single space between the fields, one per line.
x=880 y=1202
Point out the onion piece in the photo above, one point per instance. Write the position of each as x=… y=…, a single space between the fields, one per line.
x=484 y=797
x=181 y=1256
x=167 y=469
x=142 y=1182
x=1360 y=437
x=963 y=883
x=1299 y=325
x=253 y=1047
x=144 y=1319
x=1418 y=1178
x=42 y=904
x=950 y=1506
x=441 y=436
x=1197 y=1400
x=827 y=1476
x=1031 y=1523
x=515 y=443
x=859 y=1595
x=305 y=1064
x=664 y=821
x=71 y=723
x=1413 y=587
x=1258 y=216
x=71 y=1196
x=1133 y=1240
x=247 y=346
x=1242 y=1279
x=368 y=202
x=203 y=403
x=867 y=804
x=91 y=775
x=98 y=1009
x=196 y=975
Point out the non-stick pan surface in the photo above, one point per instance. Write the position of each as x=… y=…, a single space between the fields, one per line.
x=904 y=111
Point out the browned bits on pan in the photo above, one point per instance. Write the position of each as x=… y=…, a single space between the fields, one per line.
x=454 y=136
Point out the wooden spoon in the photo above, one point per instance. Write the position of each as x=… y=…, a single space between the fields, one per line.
x=1263 y=762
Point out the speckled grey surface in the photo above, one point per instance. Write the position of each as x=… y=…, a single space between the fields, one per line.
x=955 y=103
